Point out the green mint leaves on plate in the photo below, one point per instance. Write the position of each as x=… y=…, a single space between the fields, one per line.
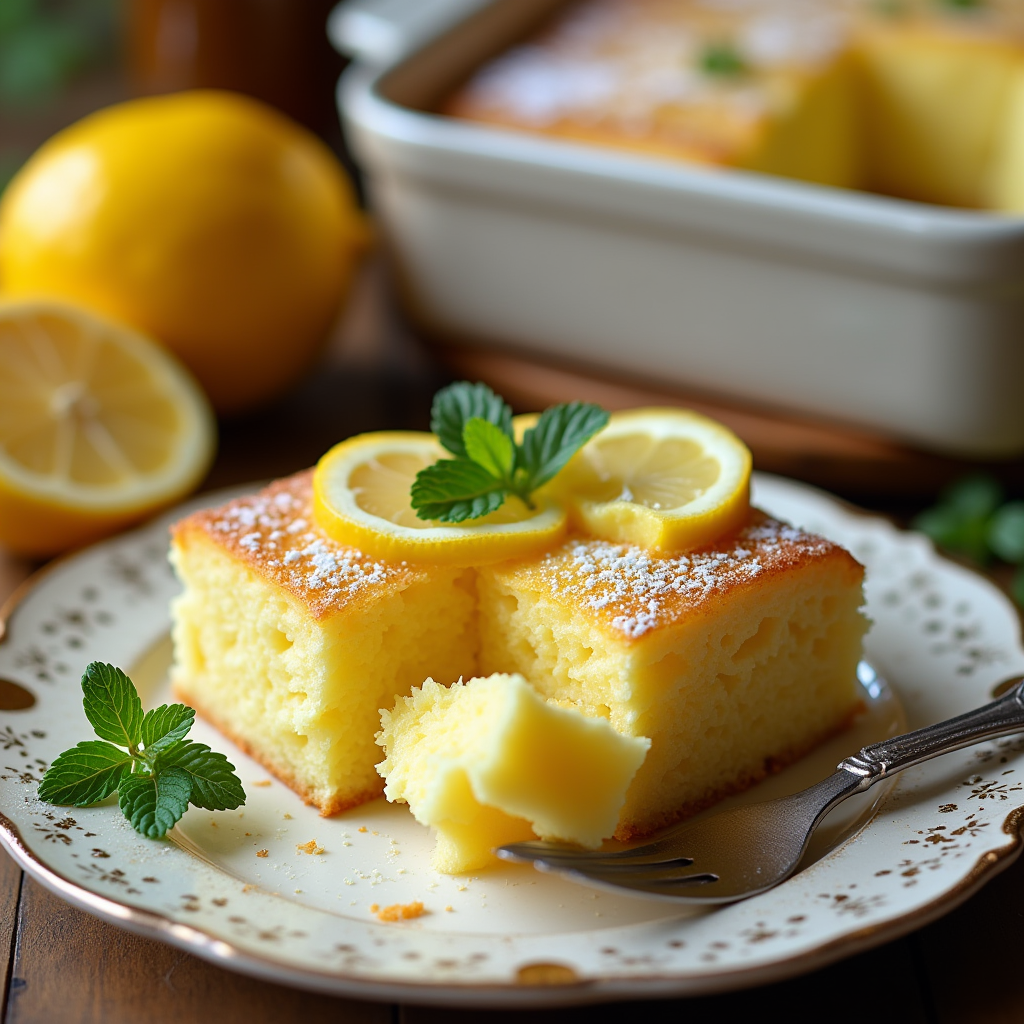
x=971 y=518
x=157 y=776
x=475 y=425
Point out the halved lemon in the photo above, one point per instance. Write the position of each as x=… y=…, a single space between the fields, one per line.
x=98 y=427
x=664 y=479
x=361 y=497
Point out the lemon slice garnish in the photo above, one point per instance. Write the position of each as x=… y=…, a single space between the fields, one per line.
x=98 y=427
x=361 y=491
x=664 y=479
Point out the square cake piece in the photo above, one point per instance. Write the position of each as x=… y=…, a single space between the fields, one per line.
x=291 y=643
x=733 y=660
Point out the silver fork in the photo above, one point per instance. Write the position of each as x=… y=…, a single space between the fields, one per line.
x=742 y=852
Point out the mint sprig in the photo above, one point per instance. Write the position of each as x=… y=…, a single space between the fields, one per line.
x=157 y=776
x=475 y=425
x=973 y=519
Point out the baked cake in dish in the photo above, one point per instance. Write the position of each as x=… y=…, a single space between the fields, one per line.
x=489 y=762
x=915 y=98
x=764 y=85
x=732 y=660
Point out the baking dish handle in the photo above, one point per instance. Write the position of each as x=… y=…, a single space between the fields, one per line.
x=383 y=31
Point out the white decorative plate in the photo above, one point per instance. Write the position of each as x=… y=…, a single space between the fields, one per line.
x=233 y=887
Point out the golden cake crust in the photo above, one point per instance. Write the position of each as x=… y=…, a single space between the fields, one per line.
x=273 y=533
x=632 y=593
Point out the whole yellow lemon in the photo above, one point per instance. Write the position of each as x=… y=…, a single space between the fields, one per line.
x=204 y=219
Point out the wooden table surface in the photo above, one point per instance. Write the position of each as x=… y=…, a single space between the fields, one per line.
x=66 y=967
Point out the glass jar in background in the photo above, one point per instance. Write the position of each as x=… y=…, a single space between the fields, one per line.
x=275 y=50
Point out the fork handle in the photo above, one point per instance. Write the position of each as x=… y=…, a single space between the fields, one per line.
x=1002 y=717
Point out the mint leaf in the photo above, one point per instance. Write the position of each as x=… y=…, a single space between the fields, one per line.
x=85 y=774
x=962 y=520
x=475 y=425
x=488 y=446
x=112 y=705
x=974 y=497
x=1006 y=532
x=165 y=725
x=214 y=784
x=155 y=803
x=722 y=60
x=455 y=405
x=559 y=433
x=454 y=490
x=154 y=785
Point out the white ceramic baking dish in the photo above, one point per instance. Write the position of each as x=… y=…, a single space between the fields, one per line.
x=903 y=317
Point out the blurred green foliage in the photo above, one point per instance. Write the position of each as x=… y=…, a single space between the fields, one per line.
x=973 y=518
x=44 y=46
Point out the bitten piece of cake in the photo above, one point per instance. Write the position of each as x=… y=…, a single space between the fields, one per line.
x=489 y=762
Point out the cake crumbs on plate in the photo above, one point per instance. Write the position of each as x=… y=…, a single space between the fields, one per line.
x=362 y=828
x=287 y=816
x=262 y=853
x=312 y=847
x=398 y=911
x=262 y=782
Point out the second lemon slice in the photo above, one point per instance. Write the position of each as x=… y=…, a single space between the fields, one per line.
x=361 y=497
x=664 y=479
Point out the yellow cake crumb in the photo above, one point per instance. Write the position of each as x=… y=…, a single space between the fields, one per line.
x=262 y=853
x=312 y=847
x=262 y=783
x=398 y=911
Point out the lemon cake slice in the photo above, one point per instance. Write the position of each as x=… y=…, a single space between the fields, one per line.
x=290 y=643
x=734 y=660
x=489 y=762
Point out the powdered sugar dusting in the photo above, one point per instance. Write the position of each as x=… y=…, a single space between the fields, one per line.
x=638 y=591
x=274 y=532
